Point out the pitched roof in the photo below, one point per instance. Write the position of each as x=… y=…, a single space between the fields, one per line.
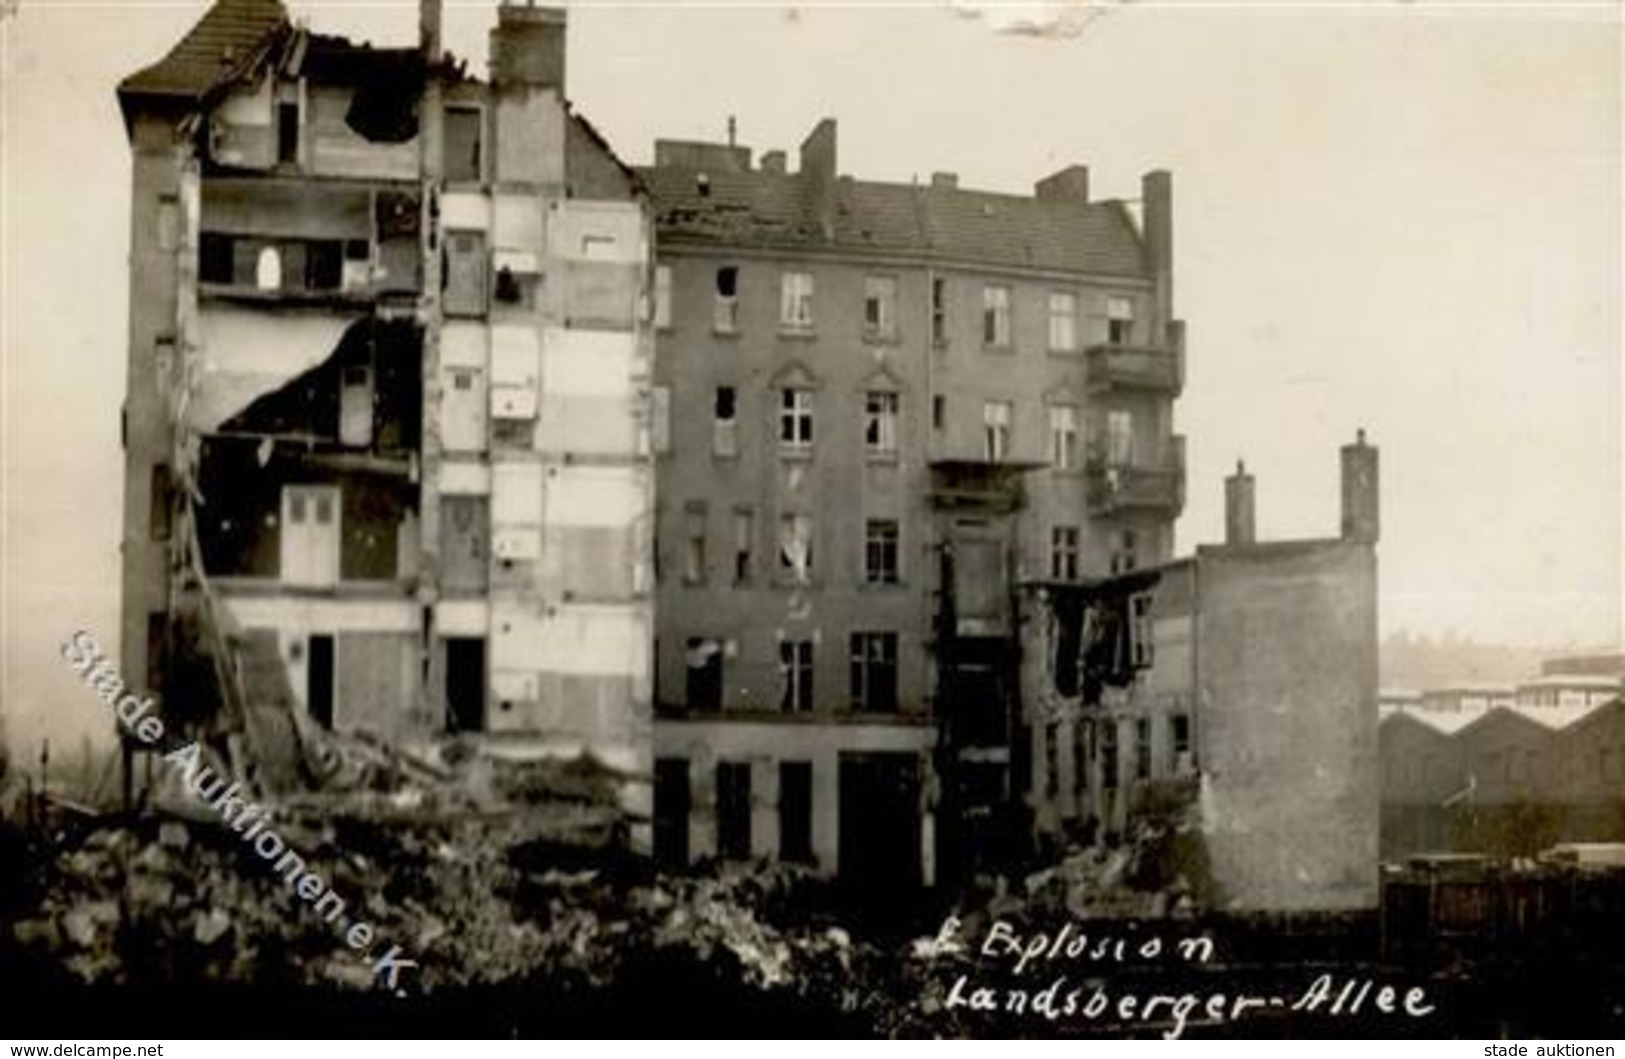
x=225 y=40
x=769 y=209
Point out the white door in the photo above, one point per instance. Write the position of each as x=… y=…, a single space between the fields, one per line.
x=310 y=535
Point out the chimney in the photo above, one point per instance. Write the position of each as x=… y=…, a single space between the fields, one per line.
x=1360 y=508
x=1157 y=208
x=945 y=181
x=429 y=33
x=1240 y=526
x=773 y=162
x=1069 y=185
x=527 y=47
x=818 y=172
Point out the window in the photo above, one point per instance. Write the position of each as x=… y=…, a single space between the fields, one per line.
x=660 y=419
x=461 y=132
x=694 y=544
x=1119 y=438
x=795 y=811
x=874 y=672
x=1063 y=436
x=217 y=258
x=996 y=316
x=796 y=676
x=662 y=295
x=1081 y=730
x=725 y=311
x=161 y=501
x=1179 y=741
x=1123 y=554
x=1108 y=755
x=880 y=423
x=880 y=551
x=1063 y=553
x=939 y=311
x=1052 y=759
x=733 y=810
x=939 y=411
x=796 y=547
x=268 y=269
x=1142 y=748
x=796 y=418
x=744 y=534
x=880 y=307
x=1063 y=321
x=704 y=664
x=725 y=422
x=1119 y=321
x=287 y=131
x=796 y=301
x=1141 y=637
x=673 y=801
x=996 y=417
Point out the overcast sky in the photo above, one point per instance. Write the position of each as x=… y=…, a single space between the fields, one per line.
x=1403 y=217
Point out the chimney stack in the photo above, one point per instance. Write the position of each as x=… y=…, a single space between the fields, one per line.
x=1360 y=507
x=773 y=162
x=527 y=47
x=818 y=168
x=429 y=32
x=945 y=181
x=1240 y=525
x=1157 y=211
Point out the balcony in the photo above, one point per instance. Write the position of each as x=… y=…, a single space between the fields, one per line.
x=1138 y=484
x=1136 y=368
x=980 y=484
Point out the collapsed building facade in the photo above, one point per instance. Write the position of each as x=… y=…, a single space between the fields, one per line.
x=1237 y=686
x=385 y=435
x=879 y=409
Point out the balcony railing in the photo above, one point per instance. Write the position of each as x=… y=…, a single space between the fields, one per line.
x=1136 y=368
x=1138 y=484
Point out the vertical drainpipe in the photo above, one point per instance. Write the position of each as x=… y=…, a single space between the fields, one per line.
x=430 y=315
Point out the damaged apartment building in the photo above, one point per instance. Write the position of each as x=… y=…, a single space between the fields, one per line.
x=386 y=443
x=879 y=410
x=1236 y=686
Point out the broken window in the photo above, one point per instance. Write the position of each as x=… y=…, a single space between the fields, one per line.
x=1141 y=638
x=1063 y=553
x=996 y=416
x=795 y=811
x=880 y=423
x=939 y=311
x=744 y=534
x=1119 y=438
x=1119 y=321
x=287 y=131
x=725 y=422
x=796 y=418
x=216 y=258
x=694 y=544
x=1123 y=554
x=672 y=797
x=733 y=810
x=1052 y=759
x=880 y=307
x=355 y=406
x=157 y=650
x=662 y=295
x=1142 y=748
x=939 y=412
x=1108 y=754
x=462 y=132
x=1082 y=729
x=726 y=307
x=1063 y=321
x=1063 y=436
x=796 y=676
x=996 y=315
x=704 y=664
x=796 y=547
x=880 y=551
x=874 y=672
x=796 y=301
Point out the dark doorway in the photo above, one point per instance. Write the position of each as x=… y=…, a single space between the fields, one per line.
x=319 y=680
x=465 y=683
x=795 y=811
x=672 y=805
x=880 y=823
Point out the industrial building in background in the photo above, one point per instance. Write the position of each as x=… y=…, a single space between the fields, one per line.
x=387 y=468
x=880 y=409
